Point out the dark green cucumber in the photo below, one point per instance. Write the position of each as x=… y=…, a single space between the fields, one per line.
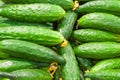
x=107 y=6
x=33 y=34
x=93 y=35
x=4 y=55
x=70 y=71
x=5 y=22
x=8 y=65
x=66 y=25
x=85 y=63
x=98 y=50
x=106 y=64
x=30 y=51
x=32 y=12
x=58 y=73
x=27 y=74
x=104 y=75
x=102 y=21
x=66 y=4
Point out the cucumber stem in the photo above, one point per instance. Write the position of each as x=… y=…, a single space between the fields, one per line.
x=76 y=5
x=64 y=43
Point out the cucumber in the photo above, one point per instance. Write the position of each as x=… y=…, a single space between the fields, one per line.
x=30 y=51
x=5 y=22
x=66 y=4
x=107 y=6
x=93 y=35
x=66 y=25
x=4 y=55
x=32 y=12
x=102 y=21
x=9 y=65
x=27 y=74
x=98 y=50
x=85 y=63
x=33 y=34
x=106 y=64
x=104 y=75
x=71 y=65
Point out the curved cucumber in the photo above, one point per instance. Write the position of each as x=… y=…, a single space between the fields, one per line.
x=71 y=65
x=30 y=51
x=8 y=65
x=107 y=6
x=66 y=25
x=66 y=4
x=98 y=50
x=92 y=35
x=106 y=64
x=104 y=75
x=32 y=34
x=32 y=12
x=102 y=21
x=27 y=74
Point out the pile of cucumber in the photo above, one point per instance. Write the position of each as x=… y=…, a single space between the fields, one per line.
x=60 y=40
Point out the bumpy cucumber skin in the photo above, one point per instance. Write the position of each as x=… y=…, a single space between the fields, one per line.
x=66 y=25
x=98 y=50
x=32 y=34
x=30 y=51
x=30 y=74
x=106 y=64
x=85 y=63
x=92 y=35
x=71 y=65
x=107 y=6
x=32 y=12
x=8 y=65
x=104 y=75
x=102 y=21
x=66 y=4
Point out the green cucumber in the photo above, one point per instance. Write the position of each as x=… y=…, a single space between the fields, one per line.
x=30 y=51
x=4 y=55
x=66 y=25
x=85 y=63
x=93 y=35
x=102 y=21
x=5 y=22
x=8 y=65
x=98 y=50
x=27 y=74
x=32 y=12
x=106 y=64
x=107 y=6
x=70 y=71
x=33 y=34
x=66 y=4
x=104 y=75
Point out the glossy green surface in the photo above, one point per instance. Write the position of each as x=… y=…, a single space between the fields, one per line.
x=108 y=6
x=65 y=27
x=66 y=4
x=104 y=75
x=93 y=35
x=32 y=12
x=30 y=51
x=70 y=71
x=98 y=50
x=8 y=65
x=106 y=64
x=102 y=21
x=33 y=34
